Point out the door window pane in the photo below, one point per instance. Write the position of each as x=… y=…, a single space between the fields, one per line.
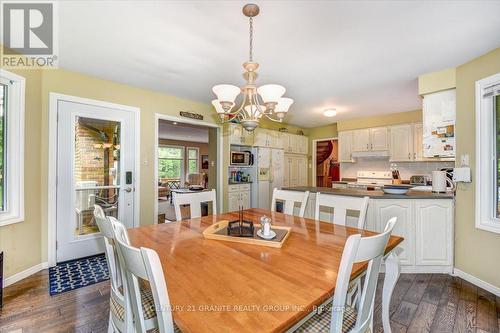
x=96 y=171
x=3 y=144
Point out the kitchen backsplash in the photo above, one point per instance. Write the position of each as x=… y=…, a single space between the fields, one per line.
x=406 y=169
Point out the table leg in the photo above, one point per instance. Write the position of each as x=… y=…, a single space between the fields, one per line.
x=392 y=271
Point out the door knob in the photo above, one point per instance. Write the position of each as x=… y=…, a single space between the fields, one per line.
x=128 y=189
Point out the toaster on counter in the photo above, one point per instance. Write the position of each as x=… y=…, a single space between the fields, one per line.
x=419 y=180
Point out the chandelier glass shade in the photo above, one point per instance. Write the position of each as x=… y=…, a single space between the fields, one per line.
x=255 y=102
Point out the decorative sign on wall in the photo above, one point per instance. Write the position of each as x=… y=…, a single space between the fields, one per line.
x=191 y=115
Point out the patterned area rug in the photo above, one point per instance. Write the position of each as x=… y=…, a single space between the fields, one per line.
x=74 y=274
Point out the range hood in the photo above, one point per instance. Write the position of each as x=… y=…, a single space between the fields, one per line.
x=371 y=153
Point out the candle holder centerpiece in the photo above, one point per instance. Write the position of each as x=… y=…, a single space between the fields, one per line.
x=240 y=227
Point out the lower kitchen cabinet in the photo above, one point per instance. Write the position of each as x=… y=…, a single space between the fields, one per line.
x=403 y=210
x=425 y=224
x=434 y=232
x=238 y=195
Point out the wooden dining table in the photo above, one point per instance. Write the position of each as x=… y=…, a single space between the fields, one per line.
x=221 y=286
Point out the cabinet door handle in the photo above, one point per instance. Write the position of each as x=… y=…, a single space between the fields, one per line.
x=414 y=156
x=367 y=146
x=409 y=156
x=371 y=145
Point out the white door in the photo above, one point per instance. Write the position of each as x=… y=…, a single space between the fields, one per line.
x=302 y=171
x=233 y=201
x=260 y=137
x=95 y=165
x=401 y=143
x=245 y=199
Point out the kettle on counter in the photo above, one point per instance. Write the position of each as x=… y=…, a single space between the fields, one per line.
x=440 y=181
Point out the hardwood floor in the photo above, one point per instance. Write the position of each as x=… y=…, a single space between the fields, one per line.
x=420 y=303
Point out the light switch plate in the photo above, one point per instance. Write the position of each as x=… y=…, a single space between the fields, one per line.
x=464 y=160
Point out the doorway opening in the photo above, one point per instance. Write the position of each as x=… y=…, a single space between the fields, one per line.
x=327 y=163
x=187 y=158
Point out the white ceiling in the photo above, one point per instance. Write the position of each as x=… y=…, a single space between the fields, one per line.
x=182 y=132
x=362 y=57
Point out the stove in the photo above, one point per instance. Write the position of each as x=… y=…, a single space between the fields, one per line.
x=374 y=179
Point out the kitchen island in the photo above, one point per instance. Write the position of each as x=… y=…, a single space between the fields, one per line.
x=426 y=225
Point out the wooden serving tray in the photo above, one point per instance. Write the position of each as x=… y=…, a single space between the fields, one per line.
x=218 y=231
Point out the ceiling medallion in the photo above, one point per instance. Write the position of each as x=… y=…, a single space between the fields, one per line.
x=266 y=100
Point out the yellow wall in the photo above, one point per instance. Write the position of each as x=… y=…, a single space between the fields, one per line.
x=20 y=242
x=382 y=120
x=437 y=81
x=476 y=251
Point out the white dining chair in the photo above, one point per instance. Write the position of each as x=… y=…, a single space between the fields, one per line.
x=341 y=204
x=342 y=317
x=289 y=199
x=120 y=314
x=147 y=289
x=194 y=201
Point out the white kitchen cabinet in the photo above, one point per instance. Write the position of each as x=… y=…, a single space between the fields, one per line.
x=402 y=145
x=238 y=195
x=361 y=140
x=267 y=138
x=295 y=171
x=425 y=224
x=434 y=232
x=345 y=147
x=240 y=136
x=406 y=143
x=403 y=210
x=418 y=144
x=370 y=139
x=295 y=144
x=379 y=139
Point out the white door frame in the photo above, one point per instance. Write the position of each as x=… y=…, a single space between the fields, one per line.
x=314 y=156
x=54 y=99
x=180 y=120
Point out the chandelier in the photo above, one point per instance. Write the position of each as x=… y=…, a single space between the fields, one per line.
x=266 y=100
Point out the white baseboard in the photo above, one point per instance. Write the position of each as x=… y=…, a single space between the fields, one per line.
x=478 y=282
x=24 y=274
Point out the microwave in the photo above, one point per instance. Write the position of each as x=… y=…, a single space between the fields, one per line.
x=244 y=158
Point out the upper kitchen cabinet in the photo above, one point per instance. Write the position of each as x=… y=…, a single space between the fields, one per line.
x=267 y=138
x=418 y=143
x=370 y=139
x=439 y=113
x=295 y=144
x=406 y=143
x=361 y=140
x=240 y=136
x=345 y=147
x=401 y=143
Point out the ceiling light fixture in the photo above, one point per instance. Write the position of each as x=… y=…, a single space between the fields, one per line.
x=330 y=112
x=266 y=100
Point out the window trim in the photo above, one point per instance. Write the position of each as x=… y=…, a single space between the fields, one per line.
x=485 y=193
x=192 y=159
x=14 y=212
x=182 y=159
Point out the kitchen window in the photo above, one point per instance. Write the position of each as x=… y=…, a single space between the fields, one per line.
x=11 y=148
x=193 y=159
x=171 y=162
x=488 y=154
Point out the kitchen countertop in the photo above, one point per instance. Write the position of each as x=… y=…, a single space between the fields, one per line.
x=238 y=183
x=376 y=194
